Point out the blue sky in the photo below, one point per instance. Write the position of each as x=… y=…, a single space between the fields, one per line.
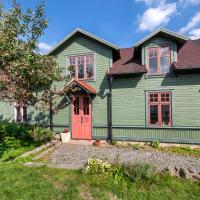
x=122 y=22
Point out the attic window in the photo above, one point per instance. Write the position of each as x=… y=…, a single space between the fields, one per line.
x=83 y=66
x=159 y=60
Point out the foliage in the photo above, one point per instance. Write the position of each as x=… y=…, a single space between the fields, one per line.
x=114 y=142
x=20 y=182
x=155 y=144
x=97 y=166
x=18 y=138
x=120 y=174
x=138 y=171
x=23 y=71
x=117 y=174
x=136 y=146
x=181 y=150
x=40 y=134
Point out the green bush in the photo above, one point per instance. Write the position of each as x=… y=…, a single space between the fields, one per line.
x=41 y=135
x=155 y=144
x=120 y=174
x=136 y=146
x=17 y=138
x=137 y=172
x=117 y=174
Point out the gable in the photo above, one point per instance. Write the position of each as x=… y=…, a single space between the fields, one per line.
x=156 y=42
x=78 y=33
x=163 y=33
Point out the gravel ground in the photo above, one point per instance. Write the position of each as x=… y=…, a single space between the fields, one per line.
x=75 y=156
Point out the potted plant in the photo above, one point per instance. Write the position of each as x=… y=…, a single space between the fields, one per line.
x=97 y=143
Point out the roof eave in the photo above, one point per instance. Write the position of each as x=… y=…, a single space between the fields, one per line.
x=78 y=30
x=158 y=31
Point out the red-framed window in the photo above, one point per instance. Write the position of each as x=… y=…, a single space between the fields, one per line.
x=21 y=113
x=83 y=66
x=160 y=109
x=159 y=60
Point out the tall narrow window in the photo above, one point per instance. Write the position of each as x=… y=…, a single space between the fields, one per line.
x=159 y=60
x=21 y=114
x=160 y=109
x=84 y=66
x=76 y=106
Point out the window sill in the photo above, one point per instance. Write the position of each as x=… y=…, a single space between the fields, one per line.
x=160 y=127
x=149 y=76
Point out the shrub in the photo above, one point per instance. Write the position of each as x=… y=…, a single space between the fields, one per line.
x=41 y=135
x=113 y=142
x=136 y=146
x=97 y=166
x=155 y=144
x=138 y=171
x=18 y=137
x=119 y=173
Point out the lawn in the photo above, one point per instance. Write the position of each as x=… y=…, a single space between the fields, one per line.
x=25 y=183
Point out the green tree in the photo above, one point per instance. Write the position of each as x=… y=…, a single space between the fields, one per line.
x=25 y=74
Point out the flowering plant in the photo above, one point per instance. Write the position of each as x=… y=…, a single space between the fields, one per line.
x=97 y=166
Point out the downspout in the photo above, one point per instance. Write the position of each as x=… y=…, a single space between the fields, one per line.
x=50 y=113
x=110 y=79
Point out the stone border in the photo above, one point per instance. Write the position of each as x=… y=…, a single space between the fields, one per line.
x=38 y=149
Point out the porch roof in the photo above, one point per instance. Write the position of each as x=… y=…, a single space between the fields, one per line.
x=85 y=86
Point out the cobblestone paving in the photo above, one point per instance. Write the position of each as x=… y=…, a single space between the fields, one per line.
x=75 y=156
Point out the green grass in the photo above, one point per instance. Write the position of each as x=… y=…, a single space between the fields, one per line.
x=19 y=182
x=187 y=151
x=11 y=154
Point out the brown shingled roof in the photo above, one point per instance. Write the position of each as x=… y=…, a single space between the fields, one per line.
x=188 y=56
x=127 y=64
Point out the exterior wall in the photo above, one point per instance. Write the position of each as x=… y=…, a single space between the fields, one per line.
x=130 y=118
x=130 y=104
x=6 y=111
x=103 y=59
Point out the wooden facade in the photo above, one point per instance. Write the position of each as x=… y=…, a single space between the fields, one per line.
x=130 y=93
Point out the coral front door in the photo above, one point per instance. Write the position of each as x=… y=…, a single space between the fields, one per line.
x=81 y=118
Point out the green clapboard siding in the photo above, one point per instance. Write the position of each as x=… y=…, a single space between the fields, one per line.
x=103 y=56
x=179 y=135
x=6 y=111
x=130 y=99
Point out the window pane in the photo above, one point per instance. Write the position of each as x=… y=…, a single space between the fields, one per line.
x=165 y=115
x=81 y=71
x=153 y=52
x=86 y=105
x=164 y=51
x=153 y=65
x=18 y=114
x=154 y=97
x=154 y=114
x=164 y=64
x=24 y=113
x=89 y=71
x=76 y=106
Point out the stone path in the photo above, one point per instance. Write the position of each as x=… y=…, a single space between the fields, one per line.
x=75 y=156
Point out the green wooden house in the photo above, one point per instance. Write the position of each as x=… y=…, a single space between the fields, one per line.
x=148 y=92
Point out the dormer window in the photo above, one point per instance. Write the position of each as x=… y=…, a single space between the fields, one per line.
x=159 y=60
x=83 y=66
